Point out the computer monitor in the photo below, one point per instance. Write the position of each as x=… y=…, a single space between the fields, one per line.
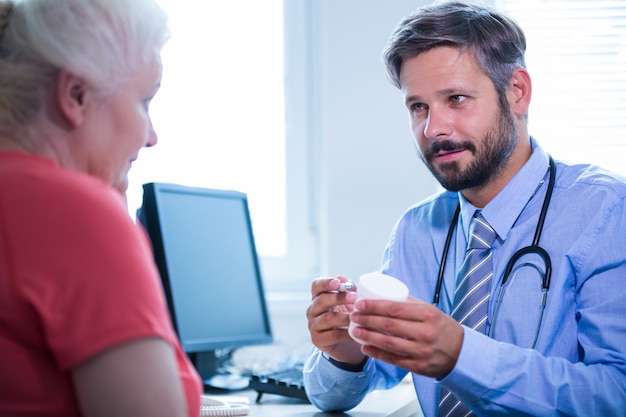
x=205 y=251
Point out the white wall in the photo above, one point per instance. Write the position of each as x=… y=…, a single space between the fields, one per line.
x=369 y=170
x=364 y=168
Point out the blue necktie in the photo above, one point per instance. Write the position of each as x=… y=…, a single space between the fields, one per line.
x=471 y=297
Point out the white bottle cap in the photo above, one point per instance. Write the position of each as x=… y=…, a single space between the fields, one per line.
x=380 y=286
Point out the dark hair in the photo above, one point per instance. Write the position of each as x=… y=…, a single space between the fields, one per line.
x=495 y=40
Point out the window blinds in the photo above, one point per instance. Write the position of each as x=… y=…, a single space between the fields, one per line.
x=576 y=57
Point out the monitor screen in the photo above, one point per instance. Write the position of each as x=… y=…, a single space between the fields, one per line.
x=205 y=252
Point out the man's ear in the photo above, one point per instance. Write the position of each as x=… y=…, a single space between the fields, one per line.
x=70 y=98
x=520 y=91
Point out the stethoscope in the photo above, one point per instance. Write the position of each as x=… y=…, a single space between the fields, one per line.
x=534 y=248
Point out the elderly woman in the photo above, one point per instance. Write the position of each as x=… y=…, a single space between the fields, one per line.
x=84 y=329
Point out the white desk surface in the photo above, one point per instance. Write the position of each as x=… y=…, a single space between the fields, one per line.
x=397 y=402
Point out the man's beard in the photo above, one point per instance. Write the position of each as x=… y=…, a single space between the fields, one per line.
x=495 y=150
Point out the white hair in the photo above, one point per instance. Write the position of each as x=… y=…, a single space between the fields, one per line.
x=102 y=41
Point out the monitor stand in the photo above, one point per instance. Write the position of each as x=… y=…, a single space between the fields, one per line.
x=209 y=366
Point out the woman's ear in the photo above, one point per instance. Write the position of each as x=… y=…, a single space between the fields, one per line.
x=70 y=98
x=520 y=91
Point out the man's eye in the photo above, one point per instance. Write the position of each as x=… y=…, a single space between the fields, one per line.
x=416 y=107
x=457 y=99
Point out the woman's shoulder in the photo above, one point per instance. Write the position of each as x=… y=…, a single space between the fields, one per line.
x=39 y=198
x=37 y=184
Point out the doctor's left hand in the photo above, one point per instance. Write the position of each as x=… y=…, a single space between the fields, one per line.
x=412 y=335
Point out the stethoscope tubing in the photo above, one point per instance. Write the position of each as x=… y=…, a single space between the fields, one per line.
x=534 y=248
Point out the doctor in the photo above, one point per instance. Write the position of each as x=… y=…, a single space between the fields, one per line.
x=553 y=338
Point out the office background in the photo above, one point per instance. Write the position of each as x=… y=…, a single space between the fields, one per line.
x=368 y=171
x=352 y=167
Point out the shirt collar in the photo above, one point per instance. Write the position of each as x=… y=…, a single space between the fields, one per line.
x=502 y=212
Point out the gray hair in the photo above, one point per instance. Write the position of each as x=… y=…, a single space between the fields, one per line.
x=496 y=41
x=102 y=41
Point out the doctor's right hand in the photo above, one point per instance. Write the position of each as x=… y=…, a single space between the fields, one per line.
x=328 y=318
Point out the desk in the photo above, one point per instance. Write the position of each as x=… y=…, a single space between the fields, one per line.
x=397 y=402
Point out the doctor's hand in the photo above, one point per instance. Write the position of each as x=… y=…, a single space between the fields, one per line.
x=412 y=335
x=328 y=318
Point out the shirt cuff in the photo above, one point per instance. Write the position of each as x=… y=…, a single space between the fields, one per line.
x=346 y=366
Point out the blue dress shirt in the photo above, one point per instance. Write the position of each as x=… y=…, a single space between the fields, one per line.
x=578 y=365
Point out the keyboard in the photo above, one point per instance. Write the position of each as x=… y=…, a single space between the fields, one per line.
x=287 y=382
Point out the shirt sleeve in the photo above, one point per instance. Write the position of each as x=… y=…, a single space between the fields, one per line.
x=332 y=389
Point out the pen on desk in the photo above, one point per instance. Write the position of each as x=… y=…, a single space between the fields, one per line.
x=347 y=286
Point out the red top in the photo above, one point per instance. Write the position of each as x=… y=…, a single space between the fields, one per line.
x=63 y=301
